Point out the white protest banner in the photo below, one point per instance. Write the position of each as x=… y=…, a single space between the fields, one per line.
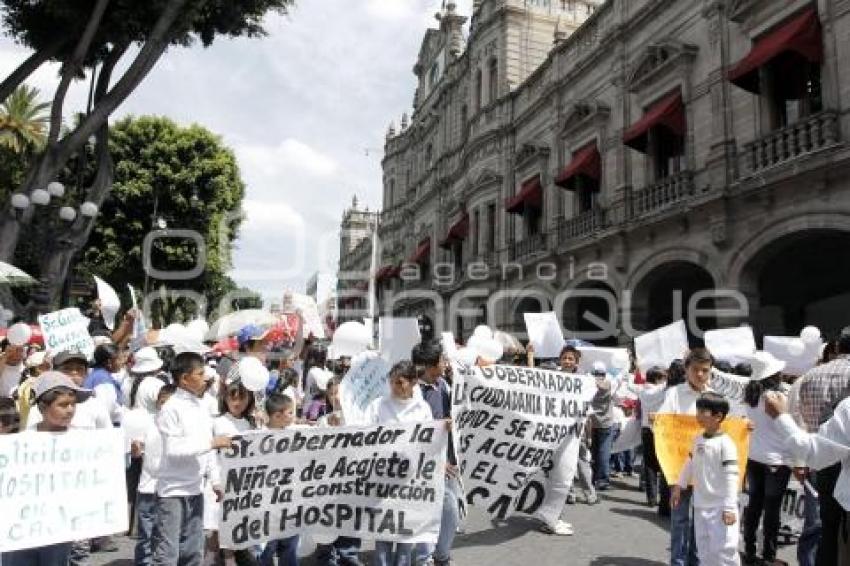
x=306 y=306
x=616 y=360
x=629 y=436
x=381 y=482
x=110 y=304
x=66 y=330
x=729 y=385
x=509 y=423
x=397 y=337
x=799 y=356
x=733 y=345
x=661 y=346
x=61 y=487
x=365 y=381
x=544 y=333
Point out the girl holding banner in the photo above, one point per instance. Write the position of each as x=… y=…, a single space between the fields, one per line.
x=400 y=407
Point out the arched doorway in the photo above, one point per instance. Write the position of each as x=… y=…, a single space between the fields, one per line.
x=800 y=279
x=589 y=312
x=664 y=294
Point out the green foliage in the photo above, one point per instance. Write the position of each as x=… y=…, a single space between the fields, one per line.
x=39 y=24
x=23 y=121
x=158 y=163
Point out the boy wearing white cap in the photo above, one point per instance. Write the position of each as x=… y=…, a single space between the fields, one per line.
x=90 y=413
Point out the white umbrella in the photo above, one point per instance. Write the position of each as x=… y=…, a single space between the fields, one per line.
x=11 y=275
x=231 y=324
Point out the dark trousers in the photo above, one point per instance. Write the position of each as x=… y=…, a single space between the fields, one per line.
x=284 y=549
x=601 y=440
x=650 y=469
x=50 y=555
x=766 y=488
x=831 y=515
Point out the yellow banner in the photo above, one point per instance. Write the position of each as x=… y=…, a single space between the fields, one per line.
x=674 y=437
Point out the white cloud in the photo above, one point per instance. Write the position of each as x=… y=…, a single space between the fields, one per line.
x=299 y=108
x=291 y=154
x=270 y=214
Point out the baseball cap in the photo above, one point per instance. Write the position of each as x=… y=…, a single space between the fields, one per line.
x=67 y=356
x=50 y=380
x=599 y=368
x=251 y=332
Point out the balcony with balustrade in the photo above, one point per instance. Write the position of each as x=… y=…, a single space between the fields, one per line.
x=806 y=137
x=581 y=226
x=662 y=195
x=528 y=247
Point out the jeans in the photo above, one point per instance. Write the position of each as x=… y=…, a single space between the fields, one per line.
x=178 y=532
x=602 y=439
x=389 y=554
x=80 y=553
x=145 y=516
x=807 y=546
x=650 y=467
x=51 y=555
x=766 y=488
x=341 y=552
x=831 y=514
x=285 y=549
x=683 y=548
x=448 y=521
x=622 y=462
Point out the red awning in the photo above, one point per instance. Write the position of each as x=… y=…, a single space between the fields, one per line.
x=585 y=162
x=458 y=232
x=529 y=195
x=800 y=35
x=422 y=253
x=387 y=272
x=669 y=112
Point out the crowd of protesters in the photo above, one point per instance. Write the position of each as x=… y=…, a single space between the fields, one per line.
x=179 y=406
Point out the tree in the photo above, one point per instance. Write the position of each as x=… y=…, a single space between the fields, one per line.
x=193 y=182
x=23 y=121
x=93 y=36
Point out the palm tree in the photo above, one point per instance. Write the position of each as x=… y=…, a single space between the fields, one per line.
x=23 y=120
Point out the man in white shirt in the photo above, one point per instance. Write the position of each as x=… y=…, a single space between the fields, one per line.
x=186 y=428
x=682 y=400
x=829 y=446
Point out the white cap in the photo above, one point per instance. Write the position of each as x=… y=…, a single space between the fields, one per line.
x=146 y=360
x=599 y=368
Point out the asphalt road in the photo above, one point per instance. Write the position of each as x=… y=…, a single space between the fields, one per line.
x=619 y=531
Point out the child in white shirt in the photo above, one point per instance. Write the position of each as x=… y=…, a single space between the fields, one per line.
x=712 y=468
x=187 y=439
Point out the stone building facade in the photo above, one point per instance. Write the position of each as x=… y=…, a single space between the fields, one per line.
x=624 y=163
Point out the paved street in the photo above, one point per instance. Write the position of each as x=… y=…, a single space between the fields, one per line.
x=620 y=531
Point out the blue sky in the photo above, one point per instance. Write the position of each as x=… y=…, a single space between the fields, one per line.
x=306 y=110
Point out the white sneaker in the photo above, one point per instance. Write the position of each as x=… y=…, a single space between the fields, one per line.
x=561 y=528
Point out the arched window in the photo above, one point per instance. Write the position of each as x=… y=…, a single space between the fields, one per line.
x=493 y=81
x=478 y=90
